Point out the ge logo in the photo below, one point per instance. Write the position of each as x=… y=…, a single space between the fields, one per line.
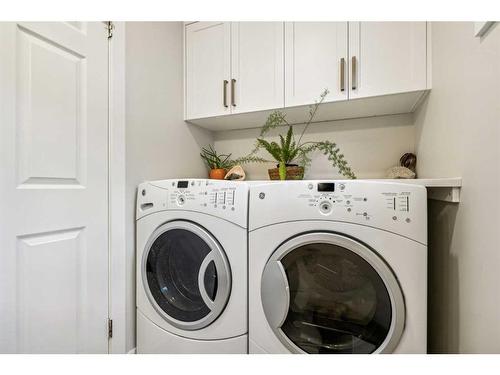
x=262 y=195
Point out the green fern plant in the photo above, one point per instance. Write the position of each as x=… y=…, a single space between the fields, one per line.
x=290 y=150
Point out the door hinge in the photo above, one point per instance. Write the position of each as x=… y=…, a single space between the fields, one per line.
x=110 y=328
x=110 y=27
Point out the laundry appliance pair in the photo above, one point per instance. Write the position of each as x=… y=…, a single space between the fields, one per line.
x=281 y=267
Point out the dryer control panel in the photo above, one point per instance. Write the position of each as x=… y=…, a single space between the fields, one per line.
x=396 y=207
x=204 y=193
x=224 y=199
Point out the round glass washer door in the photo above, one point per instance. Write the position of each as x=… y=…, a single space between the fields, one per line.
x=186 y=275
x=327 y=293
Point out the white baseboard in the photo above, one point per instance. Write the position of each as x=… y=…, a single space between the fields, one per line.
x=132 y=351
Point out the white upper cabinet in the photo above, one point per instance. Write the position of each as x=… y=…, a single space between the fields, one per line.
x=315 y=60
x=256 y=66
x=208 y=71
x=387 y=58
x=248 y=69
x=233 y=67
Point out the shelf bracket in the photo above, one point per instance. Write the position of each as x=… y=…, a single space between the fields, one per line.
x=447 y=194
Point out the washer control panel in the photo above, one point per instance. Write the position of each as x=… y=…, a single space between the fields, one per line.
x=205 y=193
x=227 y=199
x=397 y=207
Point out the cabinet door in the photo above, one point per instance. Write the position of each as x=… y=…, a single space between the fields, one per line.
x=207 y=69
x=315 y=60
x=257 y=66
x=387 y=58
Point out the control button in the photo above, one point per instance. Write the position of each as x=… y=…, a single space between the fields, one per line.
x=143 y=192
x=342 y=186
x=348 y=202
x=325 y=207
x=232 y=208
x=192 y=183
x=349 y=209
x=223 y=207
x=365 y=214
x=181 y=200
x=408 y=220
x=364 y=199
x=262 y=195
x=173 y=183
x=310 y=186
x=394 y=218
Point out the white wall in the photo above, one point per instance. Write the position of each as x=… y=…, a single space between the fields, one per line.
x=370 y=145
x=458 y=134
x=158 y=143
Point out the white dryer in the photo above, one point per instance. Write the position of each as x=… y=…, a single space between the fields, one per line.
x=337 y=267
x=192 y=266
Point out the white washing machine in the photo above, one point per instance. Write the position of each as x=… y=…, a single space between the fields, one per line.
x=337 y=267
x=192 y=266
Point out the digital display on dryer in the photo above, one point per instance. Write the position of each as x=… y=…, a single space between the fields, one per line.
x=182 y=184
x=326 y=186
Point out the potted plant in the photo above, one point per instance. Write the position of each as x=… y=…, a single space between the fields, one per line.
x=217 y=163
x=291 y=154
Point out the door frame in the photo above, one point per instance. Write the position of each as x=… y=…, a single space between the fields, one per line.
x=116 y=190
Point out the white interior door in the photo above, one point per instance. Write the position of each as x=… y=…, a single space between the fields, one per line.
x=387 y=58
x=53 y=186
x=208 y=69
x=315 y=60
x=257 y=75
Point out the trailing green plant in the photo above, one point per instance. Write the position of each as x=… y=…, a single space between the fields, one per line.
x=290 y=150
x=214 y=160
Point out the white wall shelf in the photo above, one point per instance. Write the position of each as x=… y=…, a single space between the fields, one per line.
x=440 y=189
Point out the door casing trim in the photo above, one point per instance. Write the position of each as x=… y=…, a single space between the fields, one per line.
x=116 y=189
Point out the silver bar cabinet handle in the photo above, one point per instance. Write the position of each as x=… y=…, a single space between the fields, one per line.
x=354 y=73
x=233 y=101
x=342 y=74
x=224 y=93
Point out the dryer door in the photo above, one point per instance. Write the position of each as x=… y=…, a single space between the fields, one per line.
x=186 y=275
x=327 y=293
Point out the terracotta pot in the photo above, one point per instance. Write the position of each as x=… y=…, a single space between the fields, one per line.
x=217 y=174
x=293 y=172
